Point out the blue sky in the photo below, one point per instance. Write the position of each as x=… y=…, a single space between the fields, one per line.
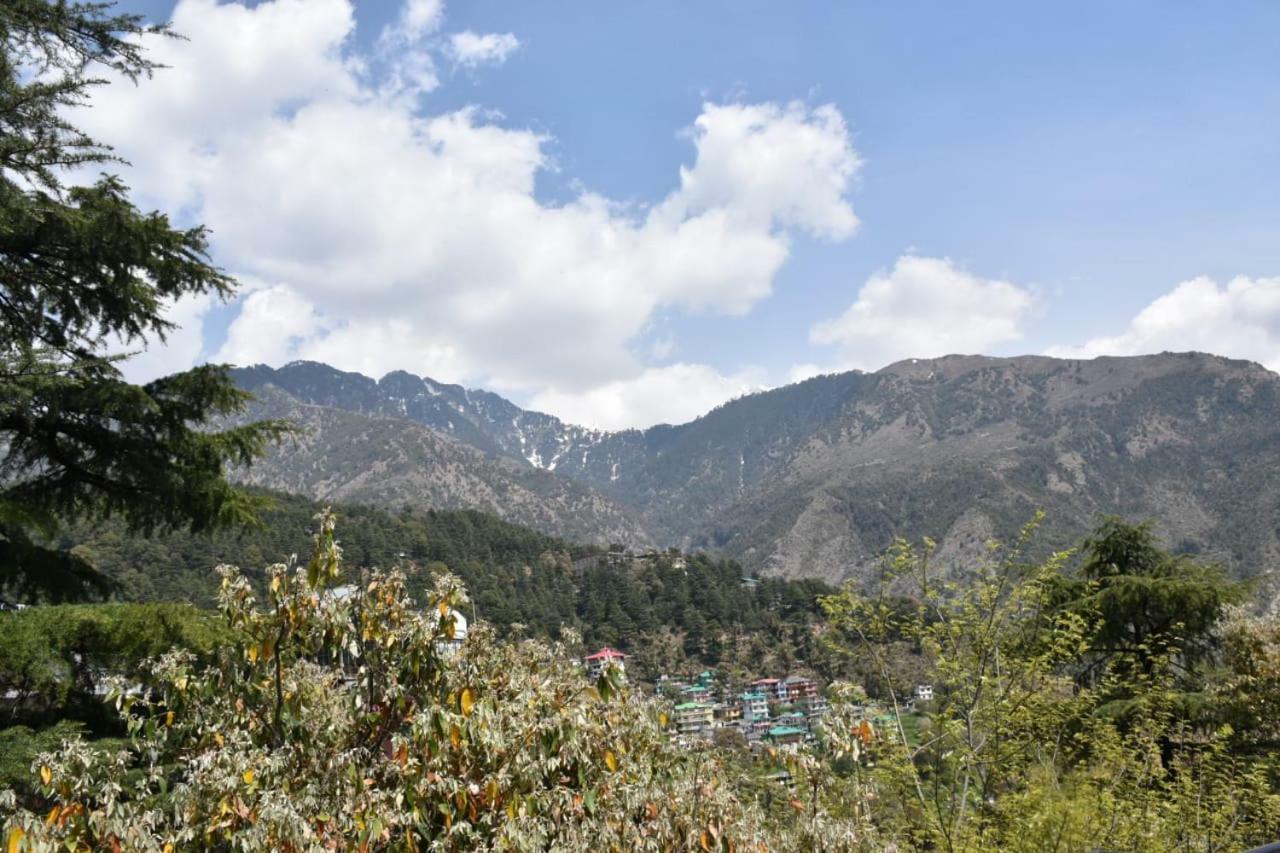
x=1084 y=179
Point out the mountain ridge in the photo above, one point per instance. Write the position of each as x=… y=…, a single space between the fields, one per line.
x=815 y=478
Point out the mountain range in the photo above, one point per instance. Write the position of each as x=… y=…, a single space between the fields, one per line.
x=818 y=477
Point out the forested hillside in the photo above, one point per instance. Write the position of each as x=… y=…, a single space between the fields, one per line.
x=665 y=607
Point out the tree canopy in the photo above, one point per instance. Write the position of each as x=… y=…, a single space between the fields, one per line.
x=85 y=274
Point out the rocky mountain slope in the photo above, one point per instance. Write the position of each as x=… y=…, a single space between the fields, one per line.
x=340 y=455
x=817 y=478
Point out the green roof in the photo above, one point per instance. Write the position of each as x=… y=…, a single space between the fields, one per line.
x=784 y=731
x=687 y=705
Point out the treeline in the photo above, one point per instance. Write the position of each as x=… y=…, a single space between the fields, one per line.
x=666 y=608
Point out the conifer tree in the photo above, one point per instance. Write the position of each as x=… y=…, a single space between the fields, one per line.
x=80 y=268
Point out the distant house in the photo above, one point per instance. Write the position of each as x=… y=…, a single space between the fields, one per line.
x=797 y=687
x=785 y=736
x=924 y=692
x=755 y=707
x=694 y=718
x=697 y=693
x=601 y=660
x=794 y=719
x=454 y=625
x=813 y=706
x=769 y=687
x=727 y=713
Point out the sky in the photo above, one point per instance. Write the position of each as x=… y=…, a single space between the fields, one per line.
x=628 y=213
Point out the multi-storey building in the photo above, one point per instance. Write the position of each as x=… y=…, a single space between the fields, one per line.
x=601 y=660
x=694 y=718
x=797 y=687
x=755 y=707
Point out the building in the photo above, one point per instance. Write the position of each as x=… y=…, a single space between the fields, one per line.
x=755 y=707
x=924 y=692
x=767 y=686
x=600 y=661
x=694 y=718
x=797 y=687
x=813 y=706
x=453 y=625
x=727 y=713
x=794 y=719
x=696 y=693
x=785 y=737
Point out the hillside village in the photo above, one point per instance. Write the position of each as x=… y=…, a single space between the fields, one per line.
x=767 y=713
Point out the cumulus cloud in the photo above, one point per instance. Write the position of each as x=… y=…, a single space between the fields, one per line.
x=672 y=394
x=1240 y=319
x=398 y=238
x=417 y=19
x=272 y=324
x=182 y=347
x=922 y=308
x=470 y=49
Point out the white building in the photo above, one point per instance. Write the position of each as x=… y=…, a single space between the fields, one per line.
x=597 y=663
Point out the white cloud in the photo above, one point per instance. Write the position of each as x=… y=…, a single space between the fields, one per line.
x=415 y=241
x=272 y=323
x=673 y=394
x=472 y=49
x=1240 y=319
x=922 y=308
x=182 y=348
x=403 y=55
x=769 y=164
x=420 y=17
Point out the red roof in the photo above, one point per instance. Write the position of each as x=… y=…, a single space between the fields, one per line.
x=606 y=654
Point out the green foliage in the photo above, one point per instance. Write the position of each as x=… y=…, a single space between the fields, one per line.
x=54 y=660
x=352 y=721
x=1013 y=753
x=352 y=718
x=1148 y=600
x=666 y=612
x=83 y=267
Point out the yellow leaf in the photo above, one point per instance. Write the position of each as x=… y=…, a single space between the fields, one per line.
x=252 y=654
x=247 y=777
x=455 y=736
x=467 y=701
x=53 y=815
x=181 y=684
x=444 y=609
x=610 y=761
x=168 y=848
x=705 y=841
x=663 y=719
x=46 y=775
x=168 y=719
x=15 y=839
